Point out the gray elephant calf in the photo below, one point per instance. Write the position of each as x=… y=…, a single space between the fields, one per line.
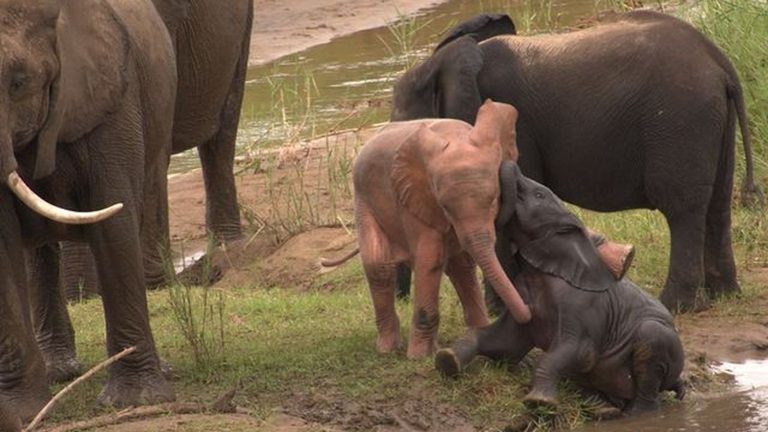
x=610 y=336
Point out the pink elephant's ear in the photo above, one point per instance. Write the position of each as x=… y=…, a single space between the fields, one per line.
x=495 y=125
x=411 y=177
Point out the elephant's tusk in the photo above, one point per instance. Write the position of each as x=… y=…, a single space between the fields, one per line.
x=57 y=214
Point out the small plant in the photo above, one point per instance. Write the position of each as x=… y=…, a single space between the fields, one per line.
x=403 y=32
x=199 y=315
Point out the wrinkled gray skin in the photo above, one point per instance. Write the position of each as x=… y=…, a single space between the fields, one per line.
x=641 y=110
x=88 y=91
x=211 y=44
x=611 y=337
x=23 y=387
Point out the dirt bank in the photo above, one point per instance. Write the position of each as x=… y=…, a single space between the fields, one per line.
x=283 y=27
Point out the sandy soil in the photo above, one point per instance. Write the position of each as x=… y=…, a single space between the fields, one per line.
x=283 y=27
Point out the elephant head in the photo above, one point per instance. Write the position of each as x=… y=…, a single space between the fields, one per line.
x=36 y=79
x=547 y=235
x=445 y=85
x=450 y=181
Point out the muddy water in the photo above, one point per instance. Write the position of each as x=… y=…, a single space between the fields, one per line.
x=346 y=83
x=742 y=409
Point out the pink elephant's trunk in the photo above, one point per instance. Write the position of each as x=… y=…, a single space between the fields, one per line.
x=480 y=245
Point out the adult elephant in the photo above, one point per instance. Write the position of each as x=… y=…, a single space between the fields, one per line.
x=637 y=112
x=211 y=44
x=88 y=109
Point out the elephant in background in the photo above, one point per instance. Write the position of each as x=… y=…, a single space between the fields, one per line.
x=611 y=337
x=89 y=110
x=211 y=45
x=609 y=129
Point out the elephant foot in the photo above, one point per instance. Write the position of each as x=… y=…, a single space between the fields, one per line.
x=447 y=363
x=680 y=302
x=387 y=344
x=130 y=389
x=61 y=367
x=419 y=348
x=718 y=287
x=618 y=257
x=538 y=398
x=27 y=404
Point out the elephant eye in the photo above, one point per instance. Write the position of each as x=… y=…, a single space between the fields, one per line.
x=18 y=82
x=539 y=195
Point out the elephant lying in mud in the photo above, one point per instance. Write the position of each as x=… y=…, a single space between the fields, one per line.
x=611 y=337
x=426 y=193
x=641 y=109
x=87 y=115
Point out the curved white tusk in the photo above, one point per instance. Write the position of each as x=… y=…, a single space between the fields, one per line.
x=57 y=214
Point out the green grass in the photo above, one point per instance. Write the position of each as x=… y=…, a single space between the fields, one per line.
x=281 y=344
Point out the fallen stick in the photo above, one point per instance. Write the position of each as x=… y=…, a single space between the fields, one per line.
x=74 y=383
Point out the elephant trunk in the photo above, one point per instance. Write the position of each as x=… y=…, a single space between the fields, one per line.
x=508 y=174
x=480 y=245
x=57 y=214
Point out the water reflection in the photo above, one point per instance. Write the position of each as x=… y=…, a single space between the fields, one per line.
x=743 y=410
x=346 y=83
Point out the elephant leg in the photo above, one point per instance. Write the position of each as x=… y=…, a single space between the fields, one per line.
x=380 y=271
x=428 y=266
x=23 y=384
x=155 y=234
x=719 y=264
x=116 y=171
x=217 y=156
x=78 y=271
x=503 y=340
x=554 y=364
x=461 y=271
x=657 y=361
x=681 y=292
x=53 y=328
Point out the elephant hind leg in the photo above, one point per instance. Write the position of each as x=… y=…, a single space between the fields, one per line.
x=657 y=361
x=719 y=264
x=217 y=156
x=379 y=264
x=683 y=291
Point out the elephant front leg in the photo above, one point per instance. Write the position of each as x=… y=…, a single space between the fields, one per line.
x=559 y=361
x=136 y=379
x=504 y=339
x=461 y=271
x=683 y=290
x=53 y=328
x=657 y=362
x=428 y=269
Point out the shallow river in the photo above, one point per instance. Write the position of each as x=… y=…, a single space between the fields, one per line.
x=346 y=83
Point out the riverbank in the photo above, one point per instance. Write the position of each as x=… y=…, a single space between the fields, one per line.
x=282 y=27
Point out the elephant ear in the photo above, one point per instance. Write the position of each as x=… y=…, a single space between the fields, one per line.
x=567 y=253
x=86 y=63
x=495 y=126
x=444 y=85
x=480 y=27
x=411 y=181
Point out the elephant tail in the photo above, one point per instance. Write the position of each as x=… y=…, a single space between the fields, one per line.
x=338 y=261
x=751 y=193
